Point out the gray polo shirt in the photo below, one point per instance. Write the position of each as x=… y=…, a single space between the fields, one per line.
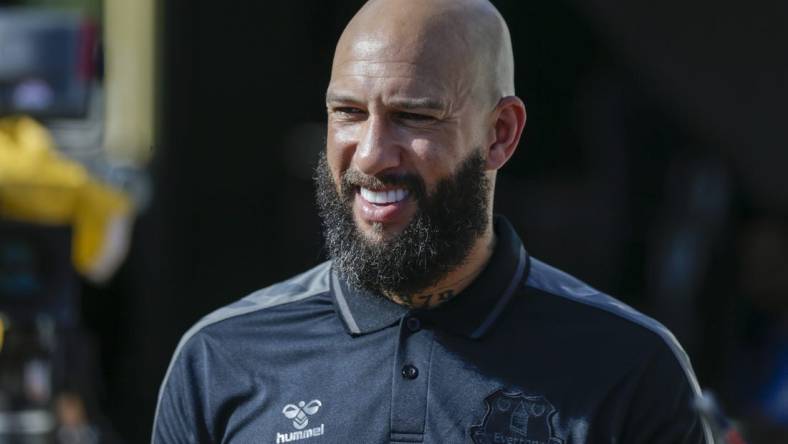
x=526 y=355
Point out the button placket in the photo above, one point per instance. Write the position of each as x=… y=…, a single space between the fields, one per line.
x=410 y=381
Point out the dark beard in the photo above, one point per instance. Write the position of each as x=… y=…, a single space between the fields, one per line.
x=436 y=241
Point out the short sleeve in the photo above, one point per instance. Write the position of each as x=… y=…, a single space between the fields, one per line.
x=177 y=419
x=663 y=407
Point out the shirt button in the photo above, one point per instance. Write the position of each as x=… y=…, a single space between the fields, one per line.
x=413 y=324
x=410 y=372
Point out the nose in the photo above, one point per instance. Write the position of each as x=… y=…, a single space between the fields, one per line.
x=377 y=149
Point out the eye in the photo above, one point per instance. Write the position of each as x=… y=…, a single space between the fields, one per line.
x=414 y=117
x=348 y=112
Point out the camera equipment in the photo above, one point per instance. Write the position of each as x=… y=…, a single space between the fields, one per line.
x=48 y=60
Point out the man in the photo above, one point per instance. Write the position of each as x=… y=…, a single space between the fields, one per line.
x=430 y=323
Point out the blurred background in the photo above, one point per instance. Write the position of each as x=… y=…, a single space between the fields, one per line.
x=156 y=162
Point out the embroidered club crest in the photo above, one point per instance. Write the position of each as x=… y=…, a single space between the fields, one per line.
x=516 y=418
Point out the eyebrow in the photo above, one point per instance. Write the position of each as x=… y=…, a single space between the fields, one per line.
x=332 y=97
x=404 y=103
x=420 y=103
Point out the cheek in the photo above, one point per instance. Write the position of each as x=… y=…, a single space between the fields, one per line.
x=433 y=161
x=339 y=150
x=343 y=135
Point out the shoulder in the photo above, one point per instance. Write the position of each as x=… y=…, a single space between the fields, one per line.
x=599 y=316
x=219 y=345
x=236 y=326
x=611 y=334
x=270 y=304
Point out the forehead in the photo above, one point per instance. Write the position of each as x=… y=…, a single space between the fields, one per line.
x=368 y=81
x=371 y=67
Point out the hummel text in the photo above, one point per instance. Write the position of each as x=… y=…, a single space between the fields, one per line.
x=300 y=434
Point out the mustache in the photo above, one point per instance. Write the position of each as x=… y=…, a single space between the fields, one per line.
x=353 y=179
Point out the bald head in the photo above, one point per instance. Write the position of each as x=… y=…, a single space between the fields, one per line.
x=445 y=37
x=421 y=115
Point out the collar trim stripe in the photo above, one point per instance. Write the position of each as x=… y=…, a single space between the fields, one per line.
x=504 y=299
x=347 y=315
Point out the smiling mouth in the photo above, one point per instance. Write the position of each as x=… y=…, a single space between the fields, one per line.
x=384 y=197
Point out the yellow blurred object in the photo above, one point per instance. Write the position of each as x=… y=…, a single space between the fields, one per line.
x=39 y=185
x=129 y=34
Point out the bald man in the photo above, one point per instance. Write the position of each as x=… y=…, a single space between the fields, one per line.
x=430 y=323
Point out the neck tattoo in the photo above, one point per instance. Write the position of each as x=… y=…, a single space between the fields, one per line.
x=425 y=300
x=433 y=297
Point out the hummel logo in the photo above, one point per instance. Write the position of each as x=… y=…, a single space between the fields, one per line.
x=300 y=413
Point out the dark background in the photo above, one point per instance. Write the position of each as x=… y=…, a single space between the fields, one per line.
x=652 y=166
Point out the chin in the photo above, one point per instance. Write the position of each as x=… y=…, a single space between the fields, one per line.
x=376 y=232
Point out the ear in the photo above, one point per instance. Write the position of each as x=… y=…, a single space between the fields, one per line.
x=508 y=126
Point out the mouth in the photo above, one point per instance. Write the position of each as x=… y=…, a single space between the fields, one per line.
x=383 y=197
x=385 y=206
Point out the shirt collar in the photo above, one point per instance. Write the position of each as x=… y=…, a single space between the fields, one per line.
x=471 y=313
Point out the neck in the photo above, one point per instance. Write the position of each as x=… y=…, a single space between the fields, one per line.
x=456 y=280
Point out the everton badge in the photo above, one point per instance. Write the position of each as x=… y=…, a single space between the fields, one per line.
x=514 y=418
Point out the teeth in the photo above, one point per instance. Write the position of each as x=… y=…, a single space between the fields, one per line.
x=383 y=197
